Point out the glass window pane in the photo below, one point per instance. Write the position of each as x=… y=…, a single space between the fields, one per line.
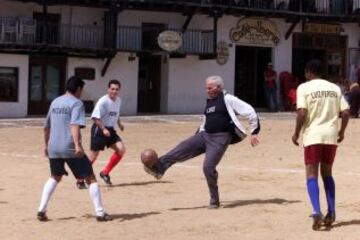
x=53 y=82
x=36 y=84
x=8 y=84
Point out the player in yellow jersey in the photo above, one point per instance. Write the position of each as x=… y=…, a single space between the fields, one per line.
x=319 y=105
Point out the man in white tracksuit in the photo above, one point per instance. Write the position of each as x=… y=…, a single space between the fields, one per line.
x=219 y=129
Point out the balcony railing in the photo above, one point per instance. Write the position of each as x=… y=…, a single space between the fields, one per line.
x=28 y=32
x=193 y=41
x=322 y=7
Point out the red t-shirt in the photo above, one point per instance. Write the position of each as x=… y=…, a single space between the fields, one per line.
x=270 y=83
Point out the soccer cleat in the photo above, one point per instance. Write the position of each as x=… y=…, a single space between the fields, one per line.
x=213 y=206
x=152 y=172
x=317 y=221
x=329 y=219
x=80 y=184
x=41 y=216
x=106 y=178
x=104 y=218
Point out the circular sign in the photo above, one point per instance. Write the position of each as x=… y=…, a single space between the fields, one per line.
x=169 y=40
x=222 y=53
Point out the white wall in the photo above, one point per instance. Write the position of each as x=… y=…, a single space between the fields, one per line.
x=353 y=33
x=120 y=68
x=187 y=76
x=187 y=83
x=16 y=109
x=182 y=79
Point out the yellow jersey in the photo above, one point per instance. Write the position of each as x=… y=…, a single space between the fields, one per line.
x=323 y=101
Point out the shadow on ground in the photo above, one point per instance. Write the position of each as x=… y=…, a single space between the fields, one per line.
x=139 y=183
x=346 y=223
x=239 y=203
x=126 y=216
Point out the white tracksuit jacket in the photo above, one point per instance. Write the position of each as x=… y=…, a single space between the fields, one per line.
x=235 y=106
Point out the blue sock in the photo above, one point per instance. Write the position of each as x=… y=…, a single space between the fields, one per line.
x=313 y=190
x=329 y=185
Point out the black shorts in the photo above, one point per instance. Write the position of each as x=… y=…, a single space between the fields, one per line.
x=99 y=141
x=80 y=167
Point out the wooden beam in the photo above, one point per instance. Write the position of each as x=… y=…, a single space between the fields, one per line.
x=291 y=29
x=186 y=23
x=106 y=65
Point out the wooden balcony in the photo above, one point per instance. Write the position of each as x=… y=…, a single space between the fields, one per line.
x=194 y=42
x=28 y=35
x=25 y=35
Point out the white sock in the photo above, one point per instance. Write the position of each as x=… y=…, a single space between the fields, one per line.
x=95 y=195
x=48 y=190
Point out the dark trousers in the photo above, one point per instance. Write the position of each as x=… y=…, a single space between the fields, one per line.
x=212 y=144
x=355 y=101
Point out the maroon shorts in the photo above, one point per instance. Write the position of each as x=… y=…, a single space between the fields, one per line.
x=319 y=153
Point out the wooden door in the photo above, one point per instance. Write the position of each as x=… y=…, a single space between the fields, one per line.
x=149 y=84
x=46 y=82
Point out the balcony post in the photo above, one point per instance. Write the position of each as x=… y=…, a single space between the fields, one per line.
x=215 y=35
x=44 y=23
x=216 y=14
x=110 y=27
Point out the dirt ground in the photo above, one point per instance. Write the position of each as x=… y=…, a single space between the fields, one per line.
x=263 y=191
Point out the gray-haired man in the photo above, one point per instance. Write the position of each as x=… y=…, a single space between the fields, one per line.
x=219 y=129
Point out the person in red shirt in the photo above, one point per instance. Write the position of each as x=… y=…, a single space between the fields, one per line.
x=270 y=87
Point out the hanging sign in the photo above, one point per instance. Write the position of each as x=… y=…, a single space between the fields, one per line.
x=255 y=31
x=323 y=28
x=170 y=40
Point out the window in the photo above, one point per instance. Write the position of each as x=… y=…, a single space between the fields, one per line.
x=8 y=84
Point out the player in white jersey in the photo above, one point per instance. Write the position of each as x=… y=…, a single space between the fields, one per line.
x=106 y=115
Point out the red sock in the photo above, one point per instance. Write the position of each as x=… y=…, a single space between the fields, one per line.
x=114 y=160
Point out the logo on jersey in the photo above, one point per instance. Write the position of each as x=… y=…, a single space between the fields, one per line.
x=61 y=110
x=211 y=109
x=322 y=94
x=112 y=114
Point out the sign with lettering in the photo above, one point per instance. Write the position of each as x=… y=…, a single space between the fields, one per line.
x=222 y=53
x=170 y=40
x=255 y=31
x=322 y=28
x=85 y=73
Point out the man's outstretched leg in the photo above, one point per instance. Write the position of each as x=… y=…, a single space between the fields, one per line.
x=185 y=150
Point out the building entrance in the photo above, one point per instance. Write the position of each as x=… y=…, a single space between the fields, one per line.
x=250 y=64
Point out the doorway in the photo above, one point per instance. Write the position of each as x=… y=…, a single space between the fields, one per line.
x=328 y=48
x=149 y=84
x=46 y=82
x=250 y=64
x=301 y=57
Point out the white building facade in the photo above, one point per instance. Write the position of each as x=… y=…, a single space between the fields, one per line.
x=31 y=77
